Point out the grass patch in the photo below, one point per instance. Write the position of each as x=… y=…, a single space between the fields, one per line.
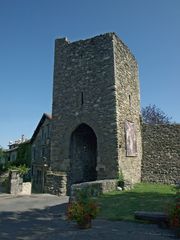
x=143 y=197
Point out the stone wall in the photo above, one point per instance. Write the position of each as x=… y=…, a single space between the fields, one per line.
x=26 y=188
x=127 y=109
x=16 y=185
x=15 y=182
x=94 y=188
x=55 y=183
x=161 y=153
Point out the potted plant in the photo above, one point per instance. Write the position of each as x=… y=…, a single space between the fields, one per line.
x=174 y=214
x=82 y=210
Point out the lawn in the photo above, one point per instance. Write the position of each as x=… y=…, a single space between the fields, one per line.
x=143 y=197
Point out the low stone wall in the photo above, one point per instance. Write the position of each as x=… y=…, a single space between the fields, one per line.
x=16 y=185
x=55 y=183
x=161 y=153
x=94 y=188
x=26 y=188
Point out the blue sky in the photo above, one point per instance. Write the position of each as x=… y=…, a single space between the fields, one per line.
x=28 y=28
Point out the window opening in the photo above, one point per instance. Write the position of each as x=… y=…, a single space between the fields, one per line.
x=82 y=98
x=130 y=101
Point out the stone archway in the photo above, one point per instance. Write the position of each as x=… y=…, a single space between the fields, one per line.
x=83 y=155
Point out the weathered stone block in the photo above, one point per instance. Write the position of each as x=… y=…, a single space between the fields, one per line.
x=56 y=183
x=15 y=181
x=26 y=188
x=94 y=188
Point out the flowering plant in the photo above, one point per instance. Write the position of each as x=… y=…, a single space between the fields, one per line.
x=83 y=209
x=174 y=212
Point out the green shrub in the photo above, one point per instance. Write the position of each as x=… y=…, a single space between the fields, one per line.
x=120 y=179
x=22 y=169
x=5 y=184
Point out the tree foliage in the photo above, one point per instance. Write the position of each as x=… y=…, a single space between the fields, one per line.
x=23 y=155
x=151 y=114
x=1 y=152
x=22 y=169
x=1 y=159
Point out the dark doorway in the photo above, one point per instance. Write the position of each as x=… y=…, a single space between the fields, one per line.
x=83 y=155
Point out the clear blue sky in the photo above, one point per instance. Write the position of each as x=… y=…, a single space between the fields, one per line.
x=28 y=28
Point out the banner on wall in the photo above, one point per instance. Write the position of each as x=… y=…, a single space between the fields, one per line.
x=131 y=139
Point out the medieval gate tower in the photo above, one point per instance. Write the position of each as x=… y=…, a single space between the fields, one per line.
x=96 y=110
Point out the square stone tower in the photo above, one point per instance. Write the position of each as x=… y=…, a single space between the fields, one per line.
x=96 y=111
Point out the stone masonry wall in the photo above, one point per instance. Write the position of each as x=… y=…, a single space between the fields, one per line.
x=127 y=109
x=55 y=183
x=161 y=153
x=15 y=182
x=85 y=67
x=94 y=188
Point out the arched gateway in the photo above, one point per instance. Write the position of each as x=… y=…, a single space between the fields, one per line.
x=83 y=155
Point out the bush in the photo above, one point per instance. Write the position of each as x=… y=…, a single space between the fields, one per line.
x=174 y=210
x=22 y=169
x=120 y=180
x=5 y=184
x=2 y=168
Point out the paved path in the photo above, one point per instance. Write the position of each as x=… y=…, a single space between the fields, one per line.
x=41 y=217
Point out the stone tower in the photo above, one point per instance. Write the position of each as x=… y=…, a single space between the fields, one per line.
x=96 y=110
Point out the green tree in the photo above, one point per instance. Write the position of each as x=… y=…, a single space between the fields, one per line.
x=23 y=154
x=1 y=158
x=1 y=152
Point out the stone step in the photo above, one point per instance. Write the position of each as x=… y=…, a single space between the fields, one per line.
x=160 y=218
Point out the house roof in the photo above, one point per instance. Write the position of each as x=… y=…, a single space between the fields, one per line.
x=42 y=120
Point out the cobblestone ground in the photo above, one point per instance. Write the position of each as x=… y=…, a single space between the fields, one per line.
x=42 y=216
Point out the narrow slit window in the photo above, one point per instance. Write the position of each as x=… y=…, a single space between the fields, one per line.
x=130 y=101
x=82 y=98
